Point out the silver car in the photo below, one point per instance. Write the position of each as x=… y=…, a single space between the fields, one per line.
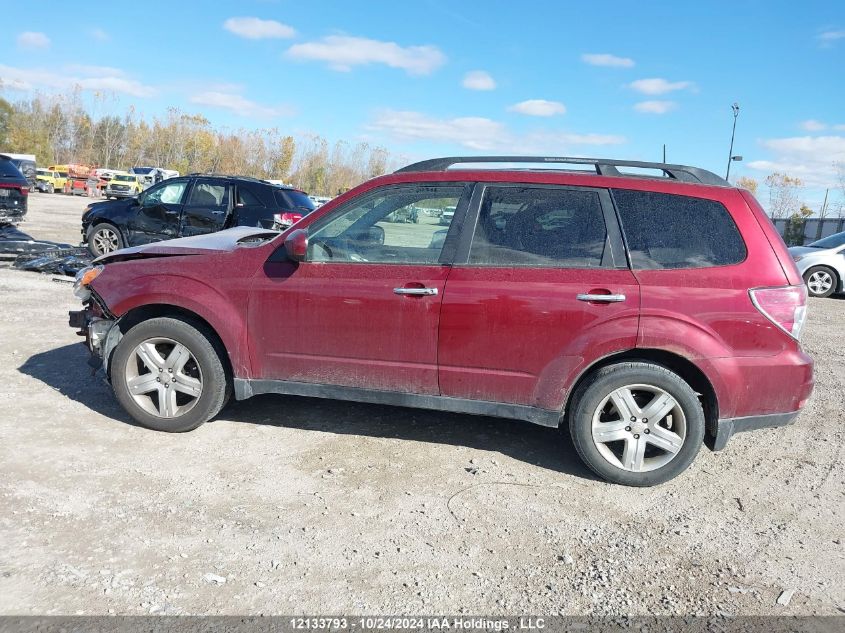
x=822 y=264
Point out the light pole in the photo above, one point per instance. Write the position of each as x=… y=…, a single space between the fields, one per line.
x=735 y=108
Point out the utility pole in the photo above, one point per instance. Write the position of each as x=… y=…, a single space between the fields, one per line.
x=823 y=212
x=735 y=108
x=664 y=153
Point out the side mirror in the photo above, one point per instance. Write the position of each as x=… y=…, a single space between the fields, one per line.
x=296 y=245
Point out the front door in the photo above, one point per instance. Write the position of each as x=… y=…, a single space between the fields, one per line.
x=158 y=213
x=363 y=310
x=207 y=207
x=541 y=287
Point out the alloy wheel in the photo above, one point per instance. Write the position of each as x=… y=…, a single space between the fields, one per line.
x=820 y=282
x=105 y=241
x=639 y=428
x=163 y=377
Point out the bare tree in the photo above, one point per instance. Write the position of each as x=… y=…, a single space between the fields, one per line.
x=783 y=194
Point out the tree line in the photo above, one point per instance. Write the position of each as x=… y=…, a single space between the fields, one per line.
x=60 y=129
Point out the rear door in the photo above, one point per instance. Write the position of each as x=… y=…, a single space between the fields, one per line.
x=542 y=287
x=207 y=208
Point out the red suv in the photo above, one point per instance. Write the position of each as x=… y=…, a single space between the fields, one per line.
x=647 y=313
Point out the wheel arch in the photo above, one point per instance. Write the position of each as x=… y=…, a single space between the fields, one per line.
x=682 y=366
x=155 y=310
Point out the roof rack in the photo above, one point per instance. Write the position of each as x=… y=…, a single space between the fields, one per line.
x=603 y=166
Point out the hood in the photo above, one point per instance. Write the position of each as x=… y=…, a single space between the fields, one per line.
x=108 y=205
x=222 y=241
x=806 y=250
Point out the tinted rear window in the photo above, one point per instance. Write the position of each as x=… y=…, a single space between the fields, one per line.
x=294 y=200
x=8 y=169
x=670 y=231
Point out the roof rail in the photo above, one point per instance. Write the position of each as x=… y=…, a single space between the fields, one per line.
x=603 y=166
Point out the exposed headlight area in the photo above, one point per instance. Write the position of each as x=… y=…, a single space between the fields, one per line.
x=83 y=278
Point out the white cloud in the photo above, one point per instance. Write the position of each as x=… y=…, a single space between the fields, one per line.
x=85 y=69
x=811 y=125
x=33 y=39
x=605 y=59
x=478 y=80
x=342 y=52
x=91 y=78
x=655 y=107
x=479 y=133
x=828 y=38
x=658 y=86
x=258 y=29
x=538 y=107
x=840 y=127
x=100 y=35
x=240 y=105
x=811 y=158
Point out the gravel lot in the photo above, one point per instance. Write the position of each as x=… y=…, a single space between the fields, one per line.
x=288 y=505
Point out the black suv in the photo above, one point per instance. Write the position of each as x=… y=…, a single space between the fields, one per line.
x=14 y=191
x=191 y=205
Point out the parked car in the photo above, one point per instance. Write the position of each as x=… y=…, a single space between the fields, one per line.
x=447 y=215
x=644 y=314
x=822 y=265
x=48 y=181
x=189 y=205
x=123 y=185
x=152 y=175
x=26 y=164
x=14 y=192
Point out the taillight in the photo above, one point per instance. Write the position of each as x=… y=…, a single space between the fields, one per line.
x=24 y=191
x=287 y=219
x=785 y=306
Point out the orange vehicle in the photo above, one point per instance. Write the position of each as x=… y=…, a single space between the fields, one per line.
x=75 y=177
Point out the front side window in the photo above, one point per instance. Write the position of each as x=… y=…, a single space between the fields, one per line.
x=668 y=231
x=544 y=227
x=387 y=226
x=170 y=193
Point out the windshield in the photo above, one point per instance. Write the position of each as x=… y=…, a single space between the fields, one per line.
x=43 y=172
x=8 y=169
x=142 y=170
x=123 y=178
x=831 y=241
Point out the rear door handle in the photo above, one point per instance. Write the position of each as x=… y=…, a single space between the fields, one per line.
x=419 y=292
x=601 y=298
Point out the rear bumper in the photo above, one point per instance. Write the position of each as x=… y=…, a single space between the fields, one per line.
x=13 y=214
x=726 y=428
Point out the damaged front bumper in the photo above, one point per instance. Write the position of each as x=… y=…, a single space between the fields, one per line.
x=102 y=334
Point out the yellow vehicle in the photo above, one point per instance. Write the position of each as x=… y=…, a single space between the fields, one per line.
x=49 y=181
x=123 y=185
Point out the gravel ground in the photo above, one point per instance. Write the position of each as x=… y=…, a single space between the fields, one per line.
x=289 y=505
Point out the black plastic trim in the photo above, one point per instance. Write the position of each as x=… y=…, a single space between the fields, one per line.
x=727 y=427
x=246 y=388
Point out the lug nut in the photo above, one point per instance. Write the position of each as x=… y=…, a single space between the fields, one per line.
x=633 y=419
x=158 y=379
x=169 y=371
x=627 y=428
x=645 y=420
x=636 y=436
x=646 y=431
x=160 y=370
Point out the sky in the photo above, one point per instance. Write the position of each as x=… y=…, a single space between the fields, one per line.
x=438 y=77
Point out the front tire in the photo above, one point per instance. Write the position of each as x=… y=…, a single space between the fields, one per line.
x=821 y=281
x=636 y=424
x=168 y=375
x=104 y=238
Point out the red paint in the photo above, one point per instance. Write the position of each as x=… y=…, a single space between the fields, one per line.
x=515 y=335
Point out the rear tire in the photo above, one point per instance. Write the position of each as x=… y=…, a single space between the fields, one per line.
x=168 y=375
x=821 y=281
x=611 y=431
x=104 y=238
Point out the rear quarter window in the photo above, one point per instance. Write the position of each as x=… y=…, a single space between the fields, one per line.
x=668 y=231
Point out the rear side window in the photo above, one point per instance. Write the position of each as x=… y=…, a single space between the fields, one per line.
x=247 y=198
x=544 y=227
x=667 y=231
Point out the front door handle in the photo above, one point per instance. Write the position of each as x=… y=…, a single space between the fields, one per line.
x=601 y=298
x=418 y=292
